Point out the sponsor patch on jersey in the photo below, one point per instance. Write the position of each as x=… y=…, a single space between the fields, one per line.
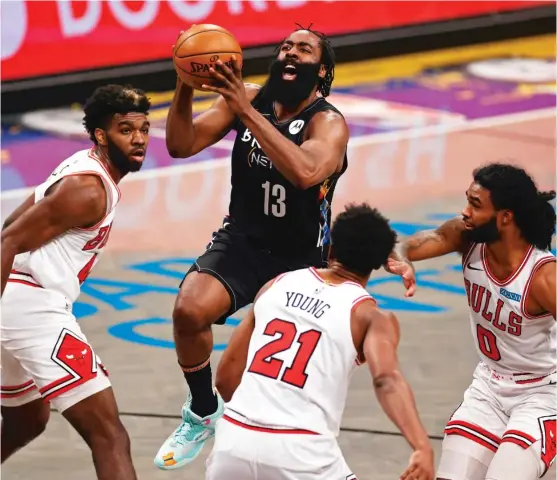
x=510 y=295
x=296 y=126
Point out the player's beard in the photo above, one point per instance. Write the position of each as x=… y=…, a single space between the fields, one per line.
x=291 y=93
x=120 y=159
x=485 y=233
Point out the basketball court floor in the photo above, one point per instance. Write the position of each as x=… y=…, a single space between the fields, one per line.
x=419 y=124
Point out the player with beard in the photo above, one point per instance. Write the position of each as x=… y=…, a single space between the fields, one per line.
x=289 y=152
x=50 y=243
x=505 y=427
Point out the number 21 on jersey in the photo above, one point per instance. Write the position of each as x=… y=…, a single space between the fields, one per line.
x=265 y=364
x=275 y=195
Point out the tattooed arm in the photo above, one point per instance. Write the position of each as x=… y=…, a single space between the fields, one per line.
x=447 y=238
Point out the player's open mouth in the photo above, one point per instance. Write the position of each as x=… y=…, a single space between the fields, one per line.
x=138 y=155
x=289 y=72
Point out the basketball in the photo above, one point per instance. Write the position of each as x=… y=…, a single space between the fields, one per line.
x=199 y=48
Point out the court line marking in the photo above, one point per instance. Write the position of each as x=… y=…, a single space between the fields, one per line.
x=342 y=429
x=369 y=139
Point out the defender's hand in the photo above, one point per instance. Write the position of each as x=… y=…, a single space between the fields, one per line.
x=231 y=85
x=406 y=270
x=420 y=466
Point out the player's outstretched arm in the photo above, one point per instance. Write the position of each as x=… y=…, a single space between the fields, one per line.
x=234 y=359
x=542 y=290
x=186 y=136
x=447 y=238
x=393 y=392
x=75 y=201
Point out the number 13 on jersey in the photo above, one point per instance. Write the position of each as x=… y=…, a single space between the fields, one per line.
x=275 y=195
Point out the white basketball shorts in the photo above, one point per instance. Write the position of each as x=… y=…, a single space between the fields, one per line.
x=498 y=408
x=44 y=353
x=246 y=452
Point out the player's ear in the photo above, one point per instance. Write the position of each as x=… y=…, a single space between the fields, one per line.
x=323 y=71
x=100 y=135
x=507 y=217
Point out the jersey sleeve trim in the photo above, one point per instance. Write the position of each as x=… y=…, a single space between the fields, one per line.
x=277 y=278
x=528 y=286
x=361 y=299
x=364 y=298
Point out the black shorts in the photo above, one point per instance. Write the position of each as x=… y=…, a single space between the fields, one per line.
x=243 y=267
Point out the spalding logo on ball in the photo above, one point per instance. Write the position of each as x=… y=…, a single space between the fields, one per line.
x=199 y=48
x=204 y=67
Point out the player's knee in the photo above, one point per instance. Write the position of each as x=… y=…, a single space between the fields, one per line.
x=38 y=424
x=190 y=317
x=514 y=462
x=25 y=423
x=33 y=428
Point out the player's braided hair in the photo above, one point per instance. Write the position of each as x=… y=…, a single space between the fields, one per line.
x=327 y=59
x=109 y=100
x=361 y=239
x=511 y=188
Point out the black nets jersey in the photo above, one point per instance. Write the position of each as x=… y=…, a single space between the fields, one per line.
x=264 y=205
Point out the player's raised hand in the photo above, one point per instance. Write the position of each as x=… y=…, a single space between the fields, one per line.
x=406 y=270
x=420 y=466
x=231 y=85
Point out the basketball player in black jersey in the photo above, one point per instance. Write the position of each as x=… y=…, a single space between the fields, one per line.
x=289 y=153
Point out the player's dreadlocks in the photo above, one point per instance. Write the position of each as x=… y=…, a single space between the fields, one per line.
x=327 y=59
x=109 y=100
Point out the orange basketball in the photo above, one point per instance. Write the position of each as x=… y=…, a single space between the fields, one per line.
x=199 y=48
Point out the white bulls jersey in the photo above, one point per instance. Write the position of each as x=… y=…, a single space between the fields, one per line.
x=64 y=263
x=508 y=338
x=301 y=355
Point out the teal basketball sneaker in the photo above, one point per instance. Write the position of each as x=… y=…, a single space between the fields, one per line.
x=185 y=443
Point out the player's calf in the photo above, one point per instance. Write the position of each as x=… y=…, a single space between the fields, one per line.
x=97 y=420
x=201 y=302
x=22 y=424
